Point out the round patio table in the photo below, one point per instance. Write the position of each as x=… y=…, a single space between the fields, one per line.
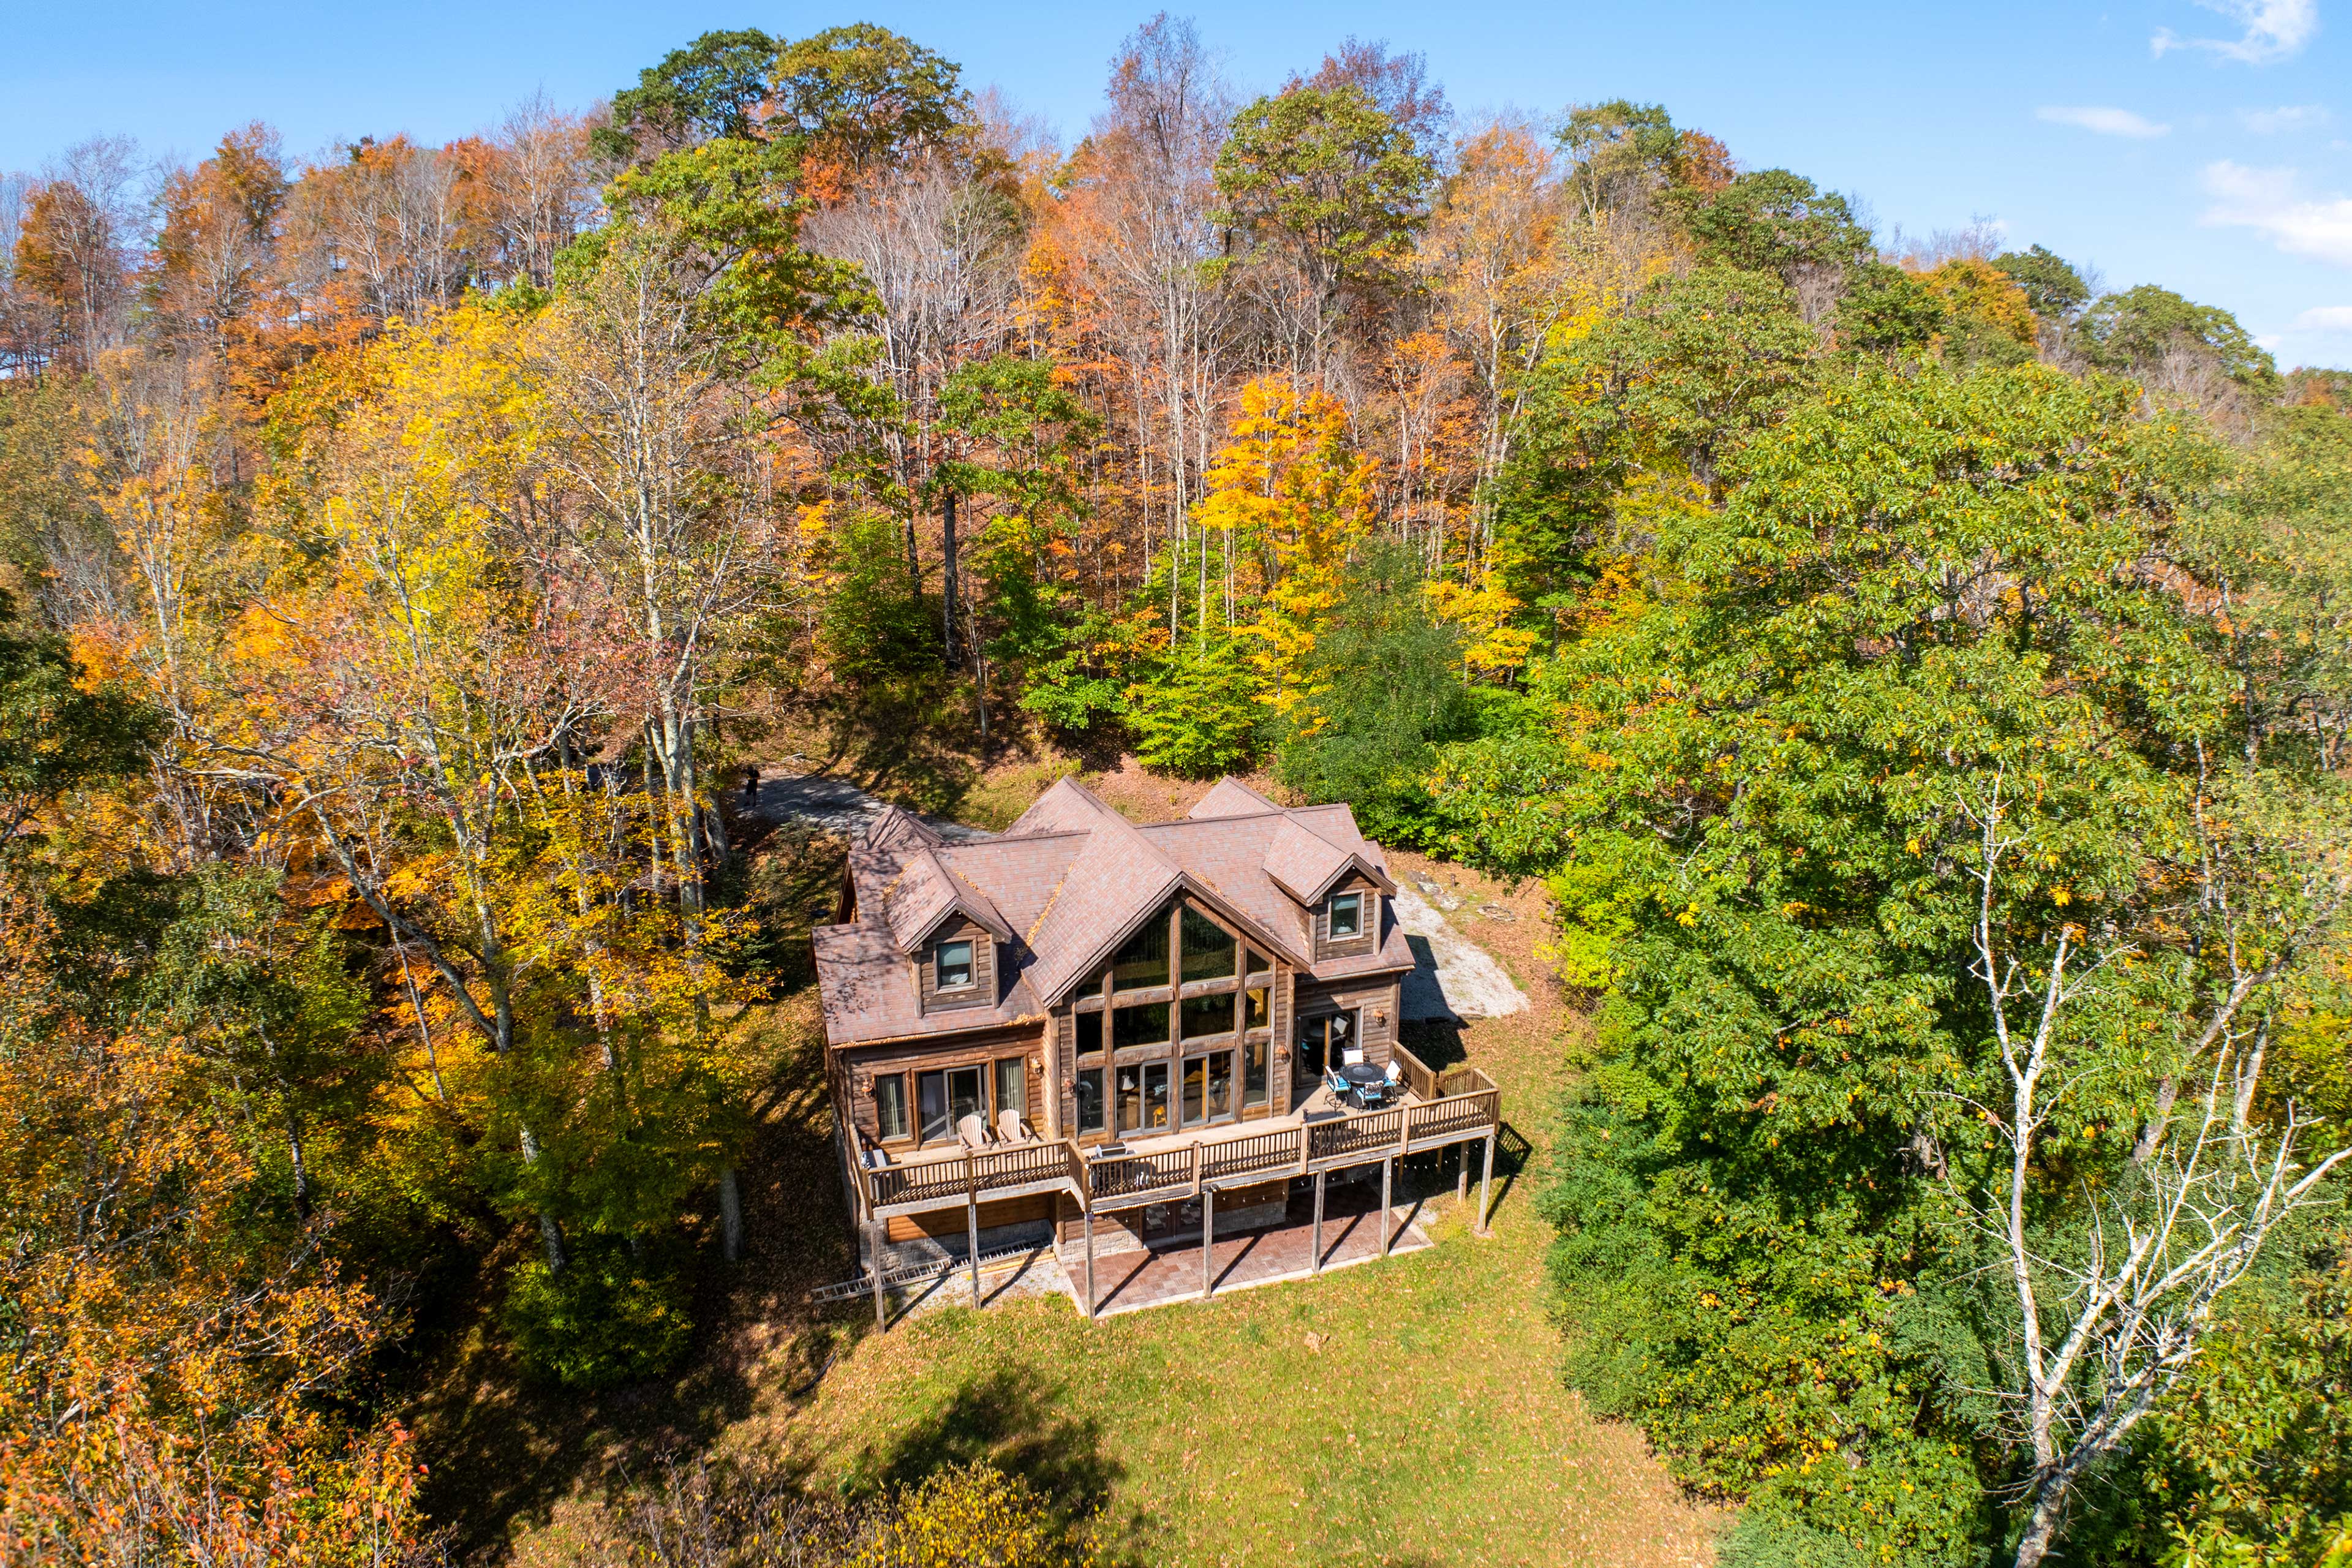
x=1364 y=1075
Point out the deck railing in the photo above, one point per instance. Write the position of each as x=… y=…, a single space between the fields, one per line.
x=1131 y=1176
x=953 y=1177
x=1456 y=1106
x=1261 y=1153
x=1368 y=1134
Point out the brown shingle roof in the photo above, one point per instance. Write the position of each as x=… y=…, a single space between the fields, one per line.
x=1064 y=886
x=926 y=891
x=1231 y=797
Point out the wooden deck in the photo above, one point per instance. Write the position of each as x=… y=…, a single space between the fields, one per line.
x=1458 y=1106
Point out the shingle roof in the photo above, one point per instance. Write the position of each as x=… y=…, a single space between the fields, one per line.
x=1066 y=883
x=1231 y=797
x=926 y=891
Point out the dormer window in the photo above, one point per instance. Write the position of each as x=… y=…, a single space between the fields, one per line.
x=951 y=965
x=1347 y=916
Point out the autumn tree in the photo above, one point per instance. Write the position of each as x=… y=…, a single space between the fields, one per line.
x=1140 y=219
x=74 y=247
x=1324 y=182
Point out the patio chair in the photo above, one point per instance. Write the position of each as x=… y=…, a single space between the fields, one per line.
x=1352 y=1057
x=973 y=1132
x=1338 y=1086
x=1010 y=1128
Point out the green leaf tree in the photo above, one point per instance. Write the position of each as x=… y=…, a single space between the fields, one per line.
x=1326 y=180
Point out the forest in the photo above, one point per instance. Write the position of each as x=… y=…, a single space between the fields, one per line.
x=1919 y=677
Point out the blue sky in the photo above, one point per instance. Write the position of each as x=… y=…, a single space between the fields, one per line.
x=2206 y=146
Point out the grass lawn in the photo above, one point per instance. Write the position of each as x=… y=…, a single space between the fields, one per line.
x=1424 y=1423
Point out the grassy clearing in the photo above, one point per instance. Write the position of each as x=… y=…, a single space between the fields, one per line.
x=1426 y=1424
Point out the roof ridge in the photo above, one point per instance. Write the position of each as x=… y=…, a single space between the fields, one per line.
x=1112 y=818
x=1212 y=821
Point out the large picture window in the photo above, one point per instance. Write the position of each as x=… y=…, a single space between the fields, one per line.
x=1205 y=1090
x=1210 y=950
x=1141 y=1025
x=1143 y=1097
x=1196 y=1091
x=1205 y=1016
x=1143 y=962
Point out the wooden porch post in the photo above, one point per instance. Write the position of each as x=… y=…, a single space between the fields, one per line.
x=1387 y=1165
x=875 y=1231
x=1208 y=1238
x=1317 y=1266
x=1461 y=1173
x=1088 y=1209
x=972 y=1225
x=1485 y=1181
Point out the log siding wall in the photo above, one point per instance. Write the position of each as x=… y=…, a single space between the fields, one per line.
x=1374 y=1003
x=857 y=1068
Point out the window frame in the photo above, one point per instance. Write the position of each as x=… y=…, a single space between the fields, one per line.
x=1355 y=903
x=1100 y=1072
x=882 y=1134
x=991 y=1070
x=1167 y=1024
x=1239 y=994
x=970 y=946
x=1020 y=1075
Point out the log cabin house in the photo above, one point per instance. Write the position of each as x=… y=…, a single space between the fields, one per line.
x=1107 y=1036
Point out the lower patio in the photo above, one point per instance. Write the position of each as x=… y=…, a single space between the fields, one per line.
x=1129 y=1281
x=1171 y=1271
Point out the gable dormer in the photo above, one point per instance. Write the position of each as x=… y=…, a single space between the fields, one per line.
x=1347 y=920
x=956 y=967
x=949 y=929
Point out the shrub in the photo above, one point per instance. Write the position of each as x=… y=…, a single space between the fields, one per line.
x=1198 y=713
x=606 y=1319
x=970 y=1516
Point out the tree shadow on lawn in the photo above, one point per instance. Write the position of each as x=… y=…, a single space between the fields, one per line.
x=1013 y=1418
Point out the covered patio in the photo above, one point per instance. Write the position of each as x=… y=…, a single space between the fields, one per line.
x=1162 y=1275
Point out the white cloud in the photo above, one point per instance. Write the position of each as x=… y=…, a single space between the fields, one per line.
x=2268 y=202
x=2326 y=319
x=2274 y=31
x=2295 y=117
x=2105 y=121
